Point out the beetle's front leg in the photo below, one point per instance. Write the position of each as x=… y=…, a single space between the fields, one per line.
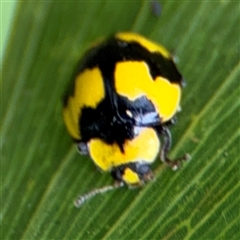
x=167 y=142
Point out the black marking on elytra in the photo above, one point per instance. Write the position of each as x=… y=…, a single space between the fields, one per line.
x=107 y=54
x=115 y=125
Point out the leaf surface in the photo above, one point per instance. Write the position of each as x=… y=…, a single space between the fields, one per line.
x=42 y=173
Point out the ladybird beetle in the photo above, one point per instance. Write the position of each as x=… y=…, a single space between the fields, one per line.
x=124 y=95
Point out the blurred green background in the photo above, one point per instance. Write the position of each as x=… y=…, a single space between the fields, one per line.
x=7 y=12
x=41 y=171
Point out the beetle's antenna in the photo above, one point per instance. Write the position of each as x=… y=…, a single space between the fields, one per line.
x=83 y=198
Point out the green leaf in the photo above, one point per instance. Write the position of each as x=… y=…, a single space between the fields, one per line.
x=41 y=171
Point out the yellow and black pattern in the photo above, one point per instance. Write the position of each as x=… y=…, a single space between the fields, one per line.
x=125 y=89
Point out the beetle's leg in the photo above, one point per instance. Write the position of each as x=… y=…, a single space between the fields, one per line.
x=167 y=142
